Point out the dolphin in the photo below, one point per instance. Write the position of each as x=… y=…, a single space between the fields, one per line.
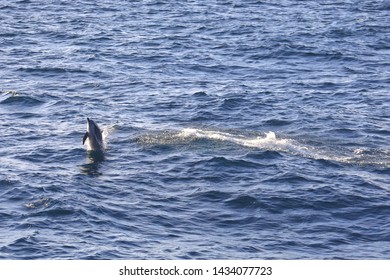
x=94 y=136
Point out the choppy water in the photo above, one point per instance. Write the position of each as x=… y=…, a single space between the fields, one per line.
x=235 y=129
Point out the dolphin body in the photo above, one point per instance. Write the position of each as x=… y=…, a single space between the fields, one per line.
x=94 y=137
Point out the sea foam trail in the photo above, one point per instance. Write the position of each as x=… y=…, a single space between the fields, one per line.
x=258 y=142
x=270 y=142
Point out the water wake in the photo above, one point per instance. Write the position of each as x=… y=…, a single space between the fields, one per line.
x=271 y=142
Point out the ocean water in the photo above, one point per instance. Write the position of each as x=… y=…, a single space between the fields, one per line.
x=234 y=129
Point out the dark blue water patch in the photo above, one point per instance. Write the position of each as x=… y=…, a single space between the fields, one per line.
x=263 y=156
x=213 y=196
x=48 y=155
x=200 y=94
x=244 y=201
x=15 y=98
x=278 y=122
x=51 y=70
x=294 y=179
x=227 y=222
x=205 y=116
x=59 y=212
x=226 y=163
x=17 y=194
x=307 y=72
x=18 y=248
x=232 y=104
x=7 y=182
x=366 y=6
x=91 y=169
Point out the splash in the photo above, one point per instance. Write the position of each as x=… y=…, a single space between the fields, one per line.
x=106 y=132
x=266 y=141
x=269 y=141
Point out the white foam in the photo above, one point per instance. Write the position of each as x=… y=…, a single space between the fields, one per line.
x=106 y=131
x=269 y=141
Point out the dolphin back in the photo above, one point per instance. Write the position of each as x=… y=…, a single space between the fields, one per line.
x=93 y=137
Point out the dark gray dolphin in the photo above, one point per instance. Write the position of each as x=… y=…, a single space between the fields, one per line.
x=94 y=137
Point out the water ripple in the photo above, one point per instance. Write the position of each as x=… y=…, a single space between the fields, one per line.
x=245 y=129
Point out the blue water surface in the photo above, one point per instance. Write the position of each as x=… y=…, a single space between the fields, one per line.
x=234 y=129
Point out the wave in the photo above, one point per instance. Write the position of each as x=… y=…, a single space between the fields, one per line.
x=16 y=98
x=269 y=141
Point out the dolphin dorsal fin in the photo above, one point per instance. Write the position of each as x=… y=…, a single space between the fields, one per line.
x=86 y=135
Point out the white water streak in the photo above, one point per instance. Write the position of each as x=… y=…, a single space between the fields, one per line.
x=270 y=142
